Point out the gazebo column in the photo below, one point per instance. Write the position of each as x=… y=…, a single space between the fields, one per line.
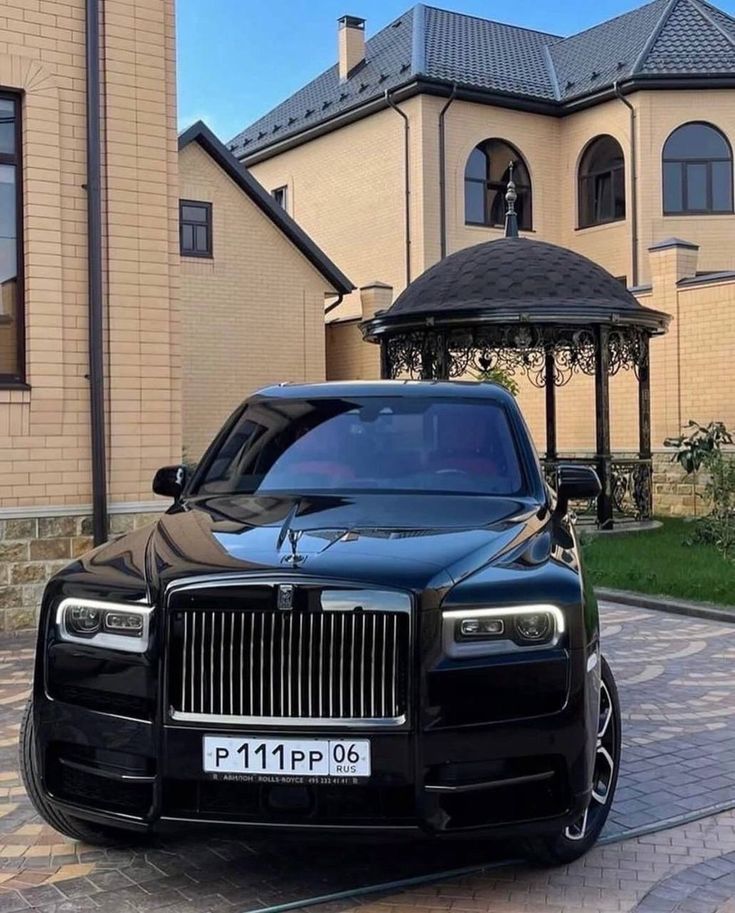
x=644 y=425
x=602 y=417
x=550 y=391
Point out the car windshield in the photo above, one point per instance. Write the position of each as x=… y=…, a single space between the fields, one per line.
x=375 y=444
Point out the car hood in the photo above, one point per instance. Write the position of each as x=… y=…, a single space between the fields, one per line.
x=410 y=541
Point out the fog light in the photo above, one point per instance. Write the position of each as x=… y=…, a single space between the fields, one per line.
x=83 y=621
x=481 y=627
x=124 y=623
x=535 y=627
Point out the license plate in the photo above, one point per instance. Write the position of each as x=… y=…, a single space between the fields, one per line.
x=330 y=758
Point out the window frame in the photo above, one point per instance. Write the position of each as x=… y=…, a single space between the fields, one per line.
x=587 y=178
x=284 y=190
x=491 y=188
x=209 y=223
x=19 y=379
x=684 y=164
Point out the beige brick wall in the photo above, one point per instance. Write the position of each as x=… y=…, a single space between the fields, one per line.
x=346 y=190
x=252 y=315
x=44 y=431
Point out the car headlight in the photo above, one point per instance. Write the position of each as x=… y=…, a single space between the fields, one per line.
x=483 y=632
x=117 y=626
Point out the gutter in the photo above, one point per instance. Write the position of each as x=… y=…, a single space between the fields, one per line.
x=443 y=176
x=633 y=184
x=406 y=180
x=423 y=85
x=94 y=276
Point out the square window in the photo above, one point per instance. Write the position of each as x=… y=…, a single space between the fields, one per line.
x=195 y=228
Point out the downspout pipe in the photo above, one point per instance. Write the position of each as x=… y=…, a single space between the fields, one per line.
x=334 y=304
x=94 y=276
x=443 y=175
x=633 y=183
x=407 y=180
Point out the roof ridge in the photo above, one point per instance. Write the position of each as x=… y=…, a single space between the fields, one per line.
x=653 y=37
x=716 y=25
x=418 y=39
x=711 y=6
x=510 y=25
x=552 y=72
x=591 y=28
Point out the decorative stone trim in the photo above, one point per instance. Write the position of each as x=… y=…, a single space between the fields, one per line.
x=33 y=548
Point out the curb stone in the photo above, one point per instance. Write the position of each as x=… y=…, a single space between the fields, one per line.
x=707 y=610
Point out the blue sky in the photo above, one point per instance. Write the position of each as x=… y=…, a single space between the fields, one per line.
x=239 y=58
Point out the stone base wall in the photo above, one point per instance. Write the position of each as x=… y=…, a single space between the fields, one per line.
x=32 y=549
x=676 y=494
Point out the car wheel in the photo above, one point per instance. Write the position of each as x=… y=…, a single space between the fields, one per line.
x=576 y=839
x=77 y=829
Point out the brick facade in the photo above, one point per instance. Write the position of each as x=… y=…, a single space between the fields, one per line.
x=44 y=429
x=231 y=343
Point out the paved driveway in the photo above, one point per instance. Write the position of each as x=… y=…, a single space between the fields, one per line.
x=679 y=756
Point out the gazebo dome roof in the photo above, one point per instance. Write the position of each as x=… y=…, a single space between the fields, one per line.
x=513 y=279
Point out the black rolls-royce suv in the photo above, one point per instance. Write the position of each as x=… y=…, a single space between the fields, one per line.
x=365 y=611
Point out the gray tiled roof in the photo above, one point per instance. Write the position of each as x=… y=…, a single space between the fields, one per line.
x=664 y=38
x=488 y=55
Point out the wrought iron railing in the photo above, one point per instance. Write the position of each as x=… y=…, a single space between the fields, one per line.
x=631 y=486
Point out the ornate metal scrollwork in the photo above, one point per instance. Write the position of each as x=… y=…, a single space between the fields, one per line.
x=436 y=352
x=631 y=489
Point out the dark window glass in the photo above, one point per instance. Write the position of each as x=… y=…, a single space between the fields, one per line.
x=486 y=177
x=673 y=187
x=601 y=183
x=195 y=228
x=368 y=444
x=280 y=195
x=474 y=202
x=12 y=330
x=697 y=171
x=722 y=186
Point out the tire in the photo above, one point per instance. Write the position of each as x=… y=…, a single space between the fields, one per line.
x=76 y=828
x=576 y=840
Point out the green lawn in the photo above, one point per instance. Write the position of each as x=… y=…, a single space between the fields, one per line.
x=659 y=562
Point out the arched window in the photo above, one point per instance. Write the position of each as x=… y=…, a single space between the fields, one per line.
x=486 y=178
x=601 y=183
x=697 y=171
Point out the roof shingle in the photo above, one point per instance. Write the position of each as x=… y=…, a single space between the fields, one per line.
x=664 y=38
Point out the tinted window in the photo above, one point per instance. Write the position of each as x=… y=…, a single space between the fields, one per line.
x=195 y=228
x=12 y=331
x=601 y=183
x=372 y=444
x=486 y=176
x=697 y=171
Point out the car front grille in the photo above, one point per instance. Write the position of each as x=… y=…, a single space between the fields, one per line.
x=304 y=667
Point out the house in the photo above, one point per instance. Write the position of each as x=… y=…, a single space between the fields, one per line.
x=89 y=348
x=254 y=288
x=620 y=138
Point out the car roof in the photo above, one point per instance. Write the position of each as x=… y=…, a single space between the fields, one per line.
x=441 y=389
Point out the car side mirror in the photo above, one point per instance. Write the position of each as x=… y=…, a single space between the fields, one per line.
x=575 y=483
x=169 y=481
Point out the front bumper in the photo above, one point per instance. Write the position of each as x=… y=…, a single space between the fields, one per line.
x=514 y=777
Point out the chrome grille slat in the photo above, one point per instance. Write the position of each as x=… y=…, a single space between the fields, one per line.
x=298 y=666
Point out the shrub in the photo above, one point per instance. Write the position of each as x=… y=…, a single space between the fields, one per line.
x=718 y=527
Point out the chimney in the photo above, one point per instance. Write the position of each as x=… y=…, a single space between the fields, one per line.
x=351 y=44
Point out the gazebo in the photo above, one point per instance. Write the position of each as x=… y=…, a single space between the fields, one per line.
x=532 y=308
